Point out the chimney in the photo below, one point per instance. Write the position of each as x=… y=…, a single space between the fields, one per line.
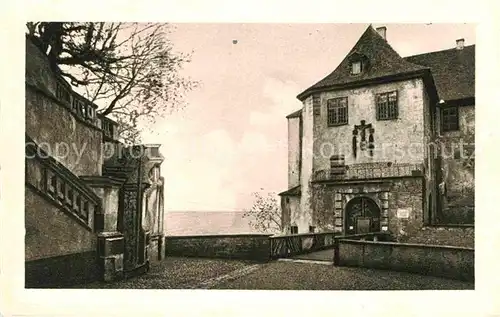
x=460 y=44
x=382 y=31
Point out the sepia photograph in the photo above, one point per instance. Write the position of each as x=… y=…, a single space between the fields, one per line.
x=249 y=156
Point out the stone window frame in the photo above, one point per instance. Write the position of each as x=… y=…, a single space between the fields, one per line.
x=387 y=109
x=294 y=229
x=337 y=111
x=450 y=119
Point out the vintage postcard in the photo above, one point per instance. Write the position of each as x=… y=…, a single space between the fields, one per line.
x=249 y=156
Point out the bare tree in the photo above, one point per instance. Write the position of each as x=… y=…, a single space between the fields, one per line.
x=129 y=70
x=265 y=213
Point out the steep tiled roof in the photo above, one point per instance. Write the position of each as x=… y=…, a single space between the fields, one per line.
x=295 y=114
x=383 y=60
x=453 y=71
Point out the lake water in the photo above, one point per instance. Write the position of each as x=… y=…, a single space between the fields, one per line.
x=206 y=222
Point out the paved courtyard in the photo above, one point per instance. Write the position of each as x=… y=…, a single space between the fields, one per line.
x=292 y=274
x=324 y=255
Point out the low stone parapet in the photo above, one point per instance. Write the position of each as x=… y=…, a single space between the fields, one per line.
x=239 y=246
x=435 y=260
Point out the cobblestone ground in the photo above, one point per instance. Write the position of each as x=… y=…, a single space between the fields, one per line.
x=189 y=273
x=282 y=275
x=176 y=273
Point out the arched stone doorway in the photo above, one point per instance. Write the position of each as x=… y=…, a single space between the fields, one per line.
x=362 y=215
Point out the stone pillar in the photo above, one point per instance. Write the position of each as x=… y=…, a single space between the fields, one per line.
x=384 y=213
x=110 y=249
x=161 y=221
x=339 y=210
x=153 y=209
x=110 y=242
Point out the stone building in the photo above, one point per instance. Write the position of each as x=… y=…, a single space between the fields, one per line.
x=385 y=143
x=93 y=207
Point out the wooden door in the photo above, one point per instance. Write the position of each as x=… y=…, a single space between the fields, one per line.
x=362 y=215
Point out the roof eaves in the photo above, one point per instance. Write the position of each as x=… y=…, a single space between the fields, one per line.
x=370 y=81
x=294 y=191
x=440 y=51
x=295 y=114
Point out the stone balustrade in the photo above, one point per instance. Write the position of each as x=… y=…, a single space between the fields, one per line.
x=109 y=129
x=79 y=106
x=57 y=184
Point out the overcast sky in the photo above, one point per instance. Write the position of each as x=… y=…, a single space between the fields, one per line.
x=231 y=139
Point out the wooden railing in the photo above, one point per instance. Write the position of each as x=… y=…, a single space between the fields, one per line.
x=290 y=245
x=369 y=171
x=59 y=185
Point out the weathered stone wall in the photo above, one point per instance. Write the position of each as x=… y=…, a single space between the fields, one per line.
x=324 y=212
x=305 y=218
x=430 y=150
x=247 y=247
x=397 y=141
x=458 y=170
x=62 y=271
x=157 y=248
x=73 y=142
x=294 y=205
x=291 y=215
x=293 y=152
x=440 y=235
x=108 y=217
x=60 y=242
x=449 y=262
x=58 y=250
x=406 y=207
x=285 y=214
x=51 y=232
x=399 y=199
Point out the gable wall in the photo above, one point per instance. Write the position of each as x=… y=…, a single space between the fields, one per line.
x=396 y=141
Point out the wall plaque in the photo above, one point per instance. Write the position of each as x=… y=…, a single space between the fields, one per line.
x=404 y=213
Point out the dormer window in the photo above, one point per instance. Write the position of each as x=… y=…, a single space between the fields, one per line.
x=357 y=63
x=356 y=68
